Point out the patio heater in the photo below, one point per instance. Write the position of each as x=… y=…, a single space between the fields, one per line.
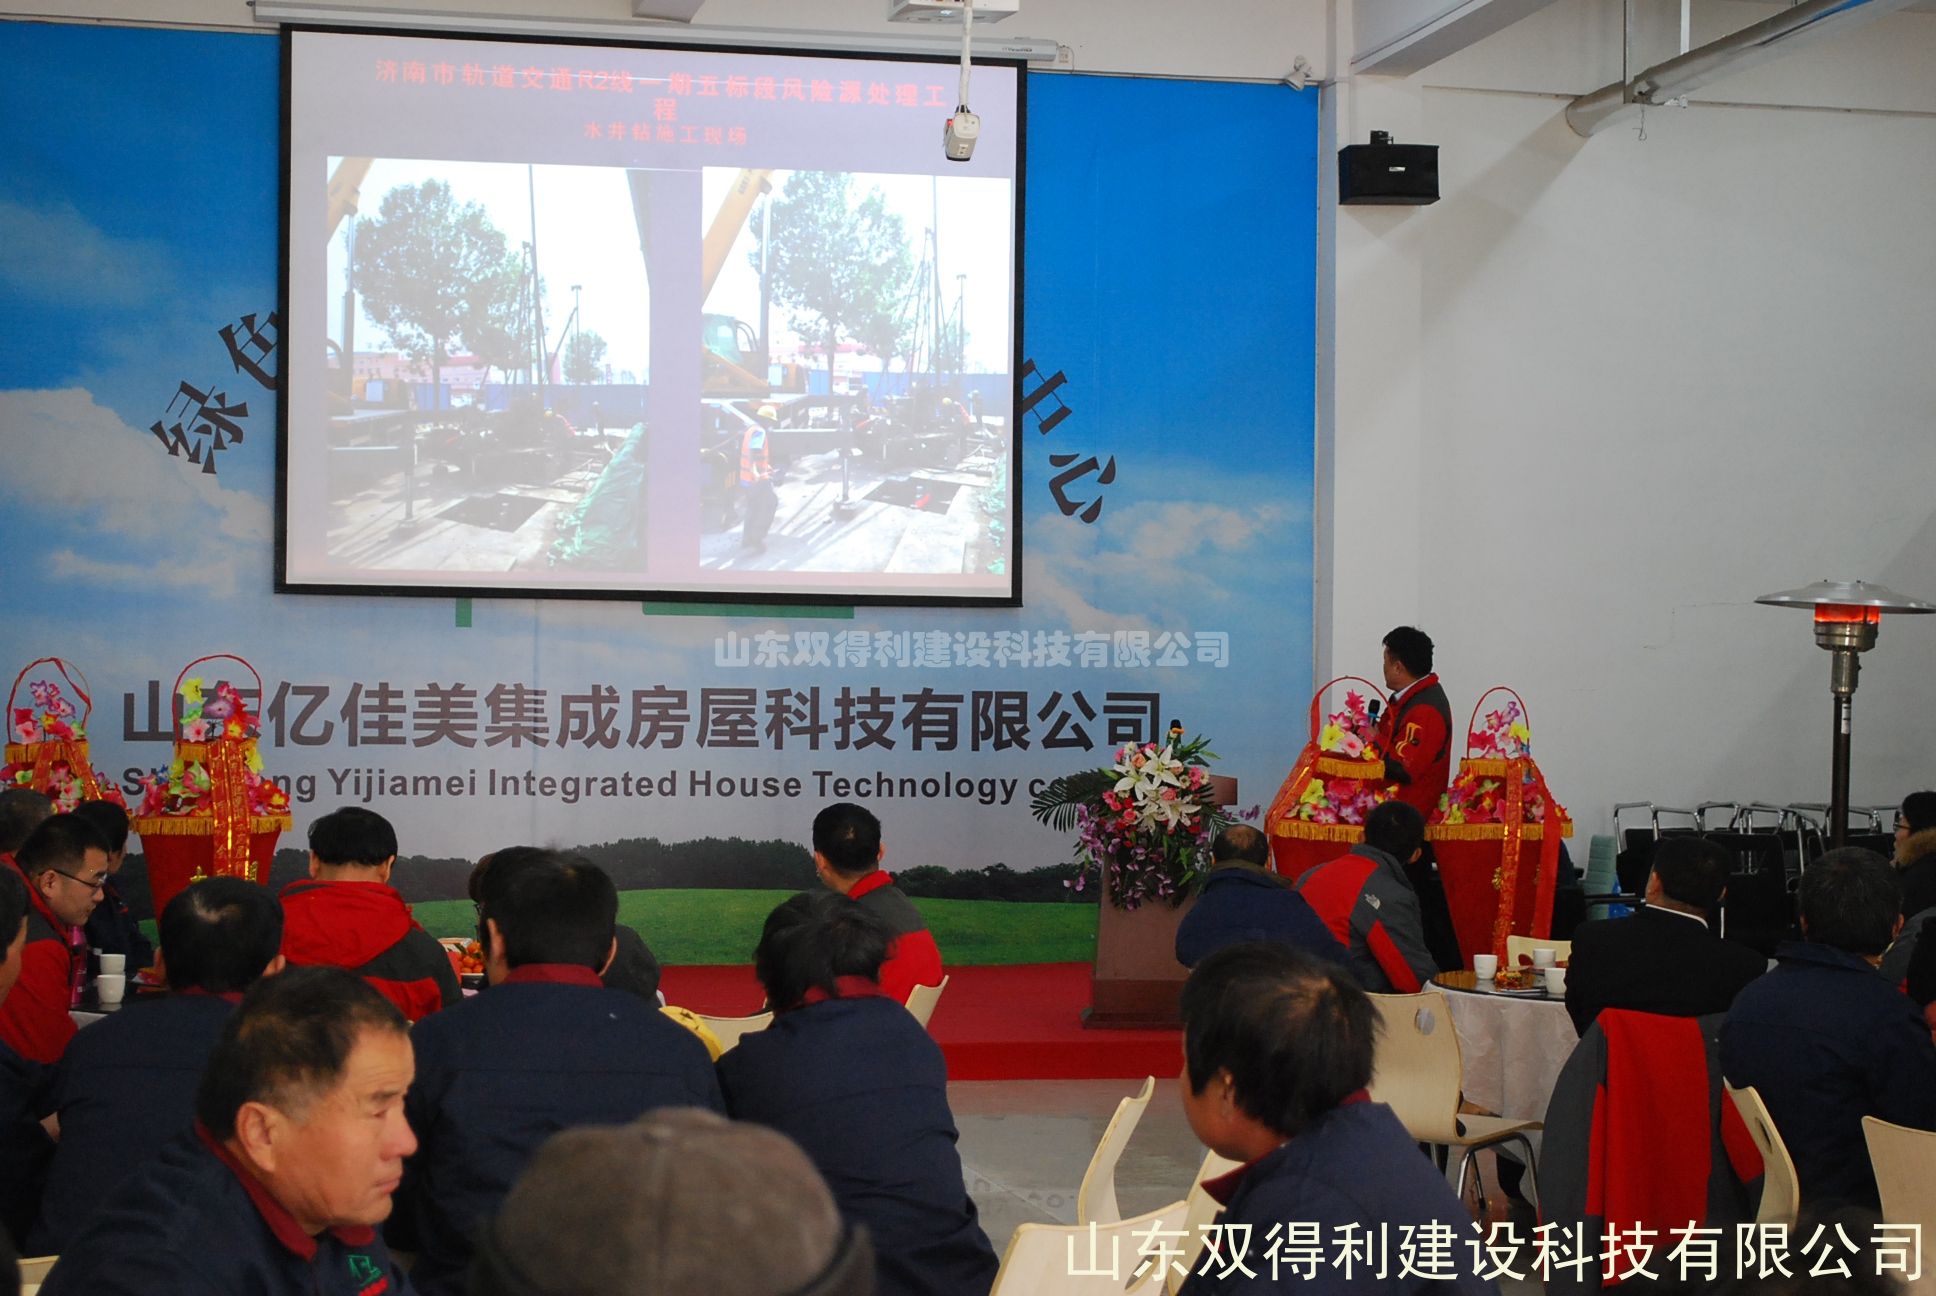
x=1848 y=615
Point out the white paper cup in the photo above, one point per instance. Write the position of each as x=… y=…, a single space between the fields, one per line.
x=1556 y=981
x=1486 y=966
x=109 y=986
x=1543 y=956
x=114 y=964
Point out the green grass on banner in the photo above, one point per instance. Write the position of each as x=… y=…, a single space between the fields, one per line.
x=710 y=926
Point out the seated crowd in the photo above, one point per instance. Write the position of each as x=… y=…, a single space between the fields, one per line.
x=317 y=1106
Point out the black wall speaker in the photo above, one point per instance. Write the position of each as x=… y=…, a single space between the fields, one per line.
x=1388 y=174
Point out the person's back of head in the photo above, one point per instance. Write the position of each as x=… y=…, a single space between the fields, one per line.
x=220 y=935
x=1240 y=844
x=681 y=1200
x=1851 y=901
x=848 y=836
x=352 y=838
x=21 y=811
x=549 y=907
x=109 y=821
x=1396 y=829
x=1918 y=812
x=289 y=1042
x=813 y=939
x=60 y=843
x=1692 y=871
x=511 y=856
x=1412 y=648
x=1290 y=1034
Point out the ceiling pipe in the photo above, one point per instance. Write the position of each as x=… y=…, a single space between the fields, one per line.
x=1771 y=38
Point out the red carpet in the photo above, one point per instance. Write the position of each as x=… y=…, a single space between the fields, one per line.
x=993 y=1023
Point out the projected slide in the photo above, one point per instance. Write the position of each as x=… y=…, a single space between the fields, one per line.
x=581 y=320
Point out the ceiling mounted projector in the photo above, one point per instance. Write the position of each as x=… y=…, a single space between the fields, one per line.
x=948 y=11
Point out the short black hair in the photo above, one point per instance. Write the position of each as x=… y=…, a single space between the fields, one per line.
x=812 y=939
x=21 y=811
x=511 y=857
x=353 y=835
x=555 y=908
x=1850 y=900
x=849 y=836
x=13 y=910
x=289 y=1042
x=1413 y=648
x=1295 y=1032
x=1692 y=870
x=1240 y=842
x=218 y=934
x=61 y=842
x=1918 y=811
x=109 y=820
x=1395 y=828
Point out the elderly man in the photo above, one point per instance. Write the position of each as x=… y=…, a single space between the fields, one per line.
x=1242 y=900
x=298 y=1143
x=1826 y=1040
x=1663 y=959
x=65 y=865
x=127 y=1084
x=546 y=1048
x=1277 y=1052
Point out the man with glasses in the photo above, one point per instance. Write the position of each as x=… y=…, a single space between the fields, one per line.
x=66 y=865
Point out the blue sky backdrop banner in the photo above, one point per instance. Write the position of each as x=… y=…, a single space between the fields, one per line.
x=1167 y=318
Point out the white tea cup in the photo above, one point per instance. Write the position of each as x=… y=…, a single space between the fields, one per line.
x=109 y=986
x=1556 y=981
x=114 y=964
x=1486 y=966
x=1543 y=956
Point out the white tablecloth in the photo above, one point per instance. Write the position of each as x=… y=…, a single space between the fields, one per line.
x=1511 y=1050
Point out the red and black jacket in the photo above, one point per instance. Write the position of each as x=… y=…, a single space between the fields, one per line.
x=366 y=928
x=34 y=1019
x=913 y=959
x=1416 y=737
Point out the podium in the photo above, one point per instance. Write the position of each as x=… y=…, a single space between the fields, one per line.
x=1137 y=981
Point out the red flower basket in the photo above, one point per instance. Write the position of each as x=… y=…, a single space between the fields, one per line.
x=218 y=835
x=45 y=763
x=1297 y=844
x=1495 y=886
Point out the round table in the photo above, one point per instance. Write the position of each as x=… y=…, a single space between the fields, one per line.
x=1511 y=1047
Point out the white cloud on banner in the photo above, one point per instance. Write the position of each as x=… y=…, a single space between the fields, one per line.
x=216 y=579
x=91 y=467
x=55 y=254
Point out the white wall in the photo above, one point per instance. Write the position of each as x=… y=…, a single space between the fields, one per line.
x=1607 y=391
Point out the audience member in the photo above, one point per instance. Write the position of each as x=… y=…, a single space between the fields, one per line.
x=126 y=1085
x=847 y=854
x=1242 y=900
x=848 y=1074
x=634 y=969
x=21 y=811
x=681 y=1200
x=1368 y=904
x=65 y=865
x=298 y=1143
x=1663 y=959
x=547 y=1048
x=111 y=928
x=24 y=1145
x=1826 y=1040
x=348 y=916
x=1916 y=851
x=1277 y=1054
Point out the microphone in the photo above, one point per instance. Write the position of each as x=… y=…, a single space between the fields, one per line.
x=1372 y=709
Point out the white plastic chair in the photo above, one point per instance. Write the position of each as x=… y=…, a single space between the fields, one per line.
x=1780 y=1190
x=1049 y=1259
x=1416 y=1072
x=922 y=999
x=727 y=1030
x=1096 y=1198
x=1901 y=1157
x=1199 y=1209
x=1517 y=945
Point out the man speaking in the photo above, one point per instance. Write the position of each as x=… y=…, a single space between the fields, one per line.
x=1415 y=735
